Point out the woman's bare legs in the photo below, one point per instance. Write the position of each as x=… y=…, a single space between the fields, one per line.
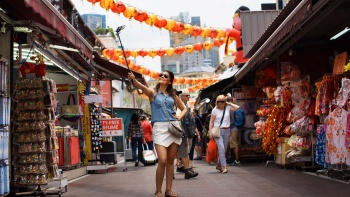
x=162 y=163
x=171 y=153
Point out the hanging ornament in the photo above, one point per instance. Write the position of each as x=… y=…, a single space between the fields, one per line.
x=118 y=52
x=179 y=50
x=141 y=16
x=161 y=22
x=170 y=51
x=160 y=52
x=127 y=53
x=205 y=32
x=198 y=46
x=170 y=24
x=129 y=12
x=94 y=1
x=196 y=31
x=118 y=7
x=189 y=49
x=136 y=67
x=207 y=45
x=142 y=52
x=221 y=33
x=218 y=42
x=151 y=20
x=213 y=33
x=152 y=53
x=107 y=4
x=146 y=72
x=188 y=29
x=178 y=27
x=134 y=53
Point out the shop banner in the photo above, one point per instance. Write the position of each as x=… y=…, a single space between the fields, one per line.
x=87 y=134
x=112 y=127
x=62 y=87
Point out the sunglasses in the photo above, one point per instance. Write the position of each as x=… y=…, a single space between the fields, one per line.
x=164 y=75
x=187 y=95
x=221 y=101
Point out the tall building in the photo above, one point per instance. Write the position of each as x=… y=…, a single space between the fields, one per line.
x=95 y=20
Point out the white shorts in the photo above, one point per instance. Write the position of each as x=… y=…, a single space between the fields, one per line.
x=162 y=136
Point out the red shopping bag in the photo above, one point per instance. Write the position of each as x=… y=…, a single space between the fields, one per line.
x=212 y=151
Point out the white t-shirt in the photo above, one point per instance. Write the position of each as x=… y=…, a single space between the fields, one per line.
x=218 y=115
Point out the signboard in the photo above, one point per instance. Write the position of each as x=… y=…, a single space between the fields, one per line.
x=112 y=127
x=87 y=133
x=62 y=87
x=339 y=63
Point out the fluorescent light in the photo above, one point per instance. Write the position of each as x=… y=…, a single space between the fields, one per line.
x=340 y=33
x=22 y=29
x=63 y=48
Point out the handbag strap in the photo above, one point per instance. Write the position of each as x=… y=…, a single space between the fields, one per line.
x=69 y=98
x=166 y=112
x=223 y=114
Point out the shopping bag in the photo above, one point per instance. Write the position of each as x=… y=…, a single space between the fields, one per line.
x=212 y=151
x=148 y=156
x=71 y=112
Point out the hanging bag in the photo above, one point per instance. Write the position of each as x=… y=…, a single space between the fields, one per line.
x=215 y=131
x=71 y=112
x=174 y=126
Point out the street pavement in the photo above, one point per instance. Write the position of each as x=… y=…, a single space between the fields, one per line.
x=249 y=179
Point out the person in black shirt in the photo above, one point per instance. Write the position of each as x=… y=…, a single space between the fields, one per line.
x=199 y=142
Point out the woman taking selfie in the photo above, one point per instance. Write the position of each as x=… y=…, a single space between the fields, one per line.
x=220 y=117
x=163 y=100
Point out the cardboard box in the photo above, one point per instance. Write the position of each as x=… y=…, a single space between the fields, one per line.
x=281 y=158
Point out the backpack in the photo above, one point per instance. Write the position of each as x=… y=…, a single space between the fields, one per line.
x=239 y=119
x=189 y=125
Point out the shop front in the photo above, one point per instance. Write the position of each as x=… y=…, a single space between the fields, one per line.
x=302 y=68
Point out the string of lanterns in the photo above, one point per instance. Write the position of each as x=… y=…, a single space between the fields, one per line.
x=115 y=53
x=131 y=12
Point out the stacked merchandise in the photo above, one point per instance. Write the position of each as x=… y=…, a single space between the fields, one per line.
x=96 y=128
x=4 y=128
x=35 y=145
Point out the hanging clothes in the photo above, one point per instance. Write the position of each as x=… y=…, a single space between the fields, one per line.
x=336 y=151
x=320 y=155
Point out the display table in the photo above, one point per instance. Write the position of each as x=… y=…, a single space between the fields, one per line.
x=69 y=152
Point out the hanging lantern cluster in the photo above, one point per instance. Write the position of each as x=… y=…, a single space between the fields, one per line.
x=207 y=45
x=131 y=12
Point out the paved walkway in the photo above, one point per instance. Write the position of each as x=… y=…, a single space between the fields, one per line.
x=250 y=179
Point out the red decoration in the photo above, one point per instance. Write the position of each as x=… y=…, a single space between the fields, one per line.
x=141 y=15
x=94 y=1
x=179 y=50
x=40 y=70
x=178 y=27
x=26 y=68
x=218 y=42
x=127 y=53
x=213 y=33
x=118 y=7
x=142 y=52
x=162 y=22
x=198 y=46
x=196 y=31
x=161 y=52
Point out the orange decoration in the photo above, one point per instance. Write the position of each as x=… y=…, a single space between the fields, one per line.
x=131 y=65
x=151 y=74
x=170 y=24
x=152 y=53
x=151 y=20
x=146 y=72
x=142 y=52
x=189 y=49
x=179 y=50
x=141 y=16
x=170 y=51
x=178 y=27
x=118 y=52
x=129 y=12
x=198 y=46
x=213 y=33
x=118 y=7
x=156 y=75
x=161 y=22
x=207 y=45
x=188 y=29
x=221 y=33
x=123 y=61
x=134 y=53
x=190 y=81
x=175 y=80
x=104 y=52
x=94 y=1
x=218 y=42
x=196 y=31
x=127 y=53
x=181 y=80
x=109 y=52
x=161 y=52
x=205 y=32
x=107 y=4
x=136 y=67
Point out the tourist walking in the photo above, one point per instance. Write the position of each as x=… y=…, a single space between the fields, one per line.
x=147 y=130
x=222 y=111
x=163 y=99
x=135 y=133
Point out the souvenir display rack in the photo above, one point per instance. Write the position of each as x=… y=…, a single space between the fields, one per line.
x=35 y=144
x=5 y=104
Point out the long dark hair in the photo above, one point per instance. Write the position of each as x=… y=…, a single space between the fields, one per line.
x=135 y=119
x=170 y=90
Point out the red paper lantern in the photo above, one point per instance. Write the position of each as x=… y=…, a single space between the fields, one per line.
x=161 y=22
x=142 y=52
x=218 y=42
x=196 y=31
x=178 y=27
x=156 y=75
x=141 y=16
x=179 y=50
x=136 y=67
x=161 y=52
x=118 y=7
x=198 y=46
x=94 y=1
x=127 y=52
x=146 y=72
x=213 y=33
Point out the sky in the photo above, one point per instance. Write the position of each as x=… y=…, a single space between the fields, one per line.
x=136 y=35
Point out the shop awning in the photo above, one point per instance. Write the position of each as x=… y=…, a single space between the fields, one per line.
x=285 y=23
x=42 y=12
